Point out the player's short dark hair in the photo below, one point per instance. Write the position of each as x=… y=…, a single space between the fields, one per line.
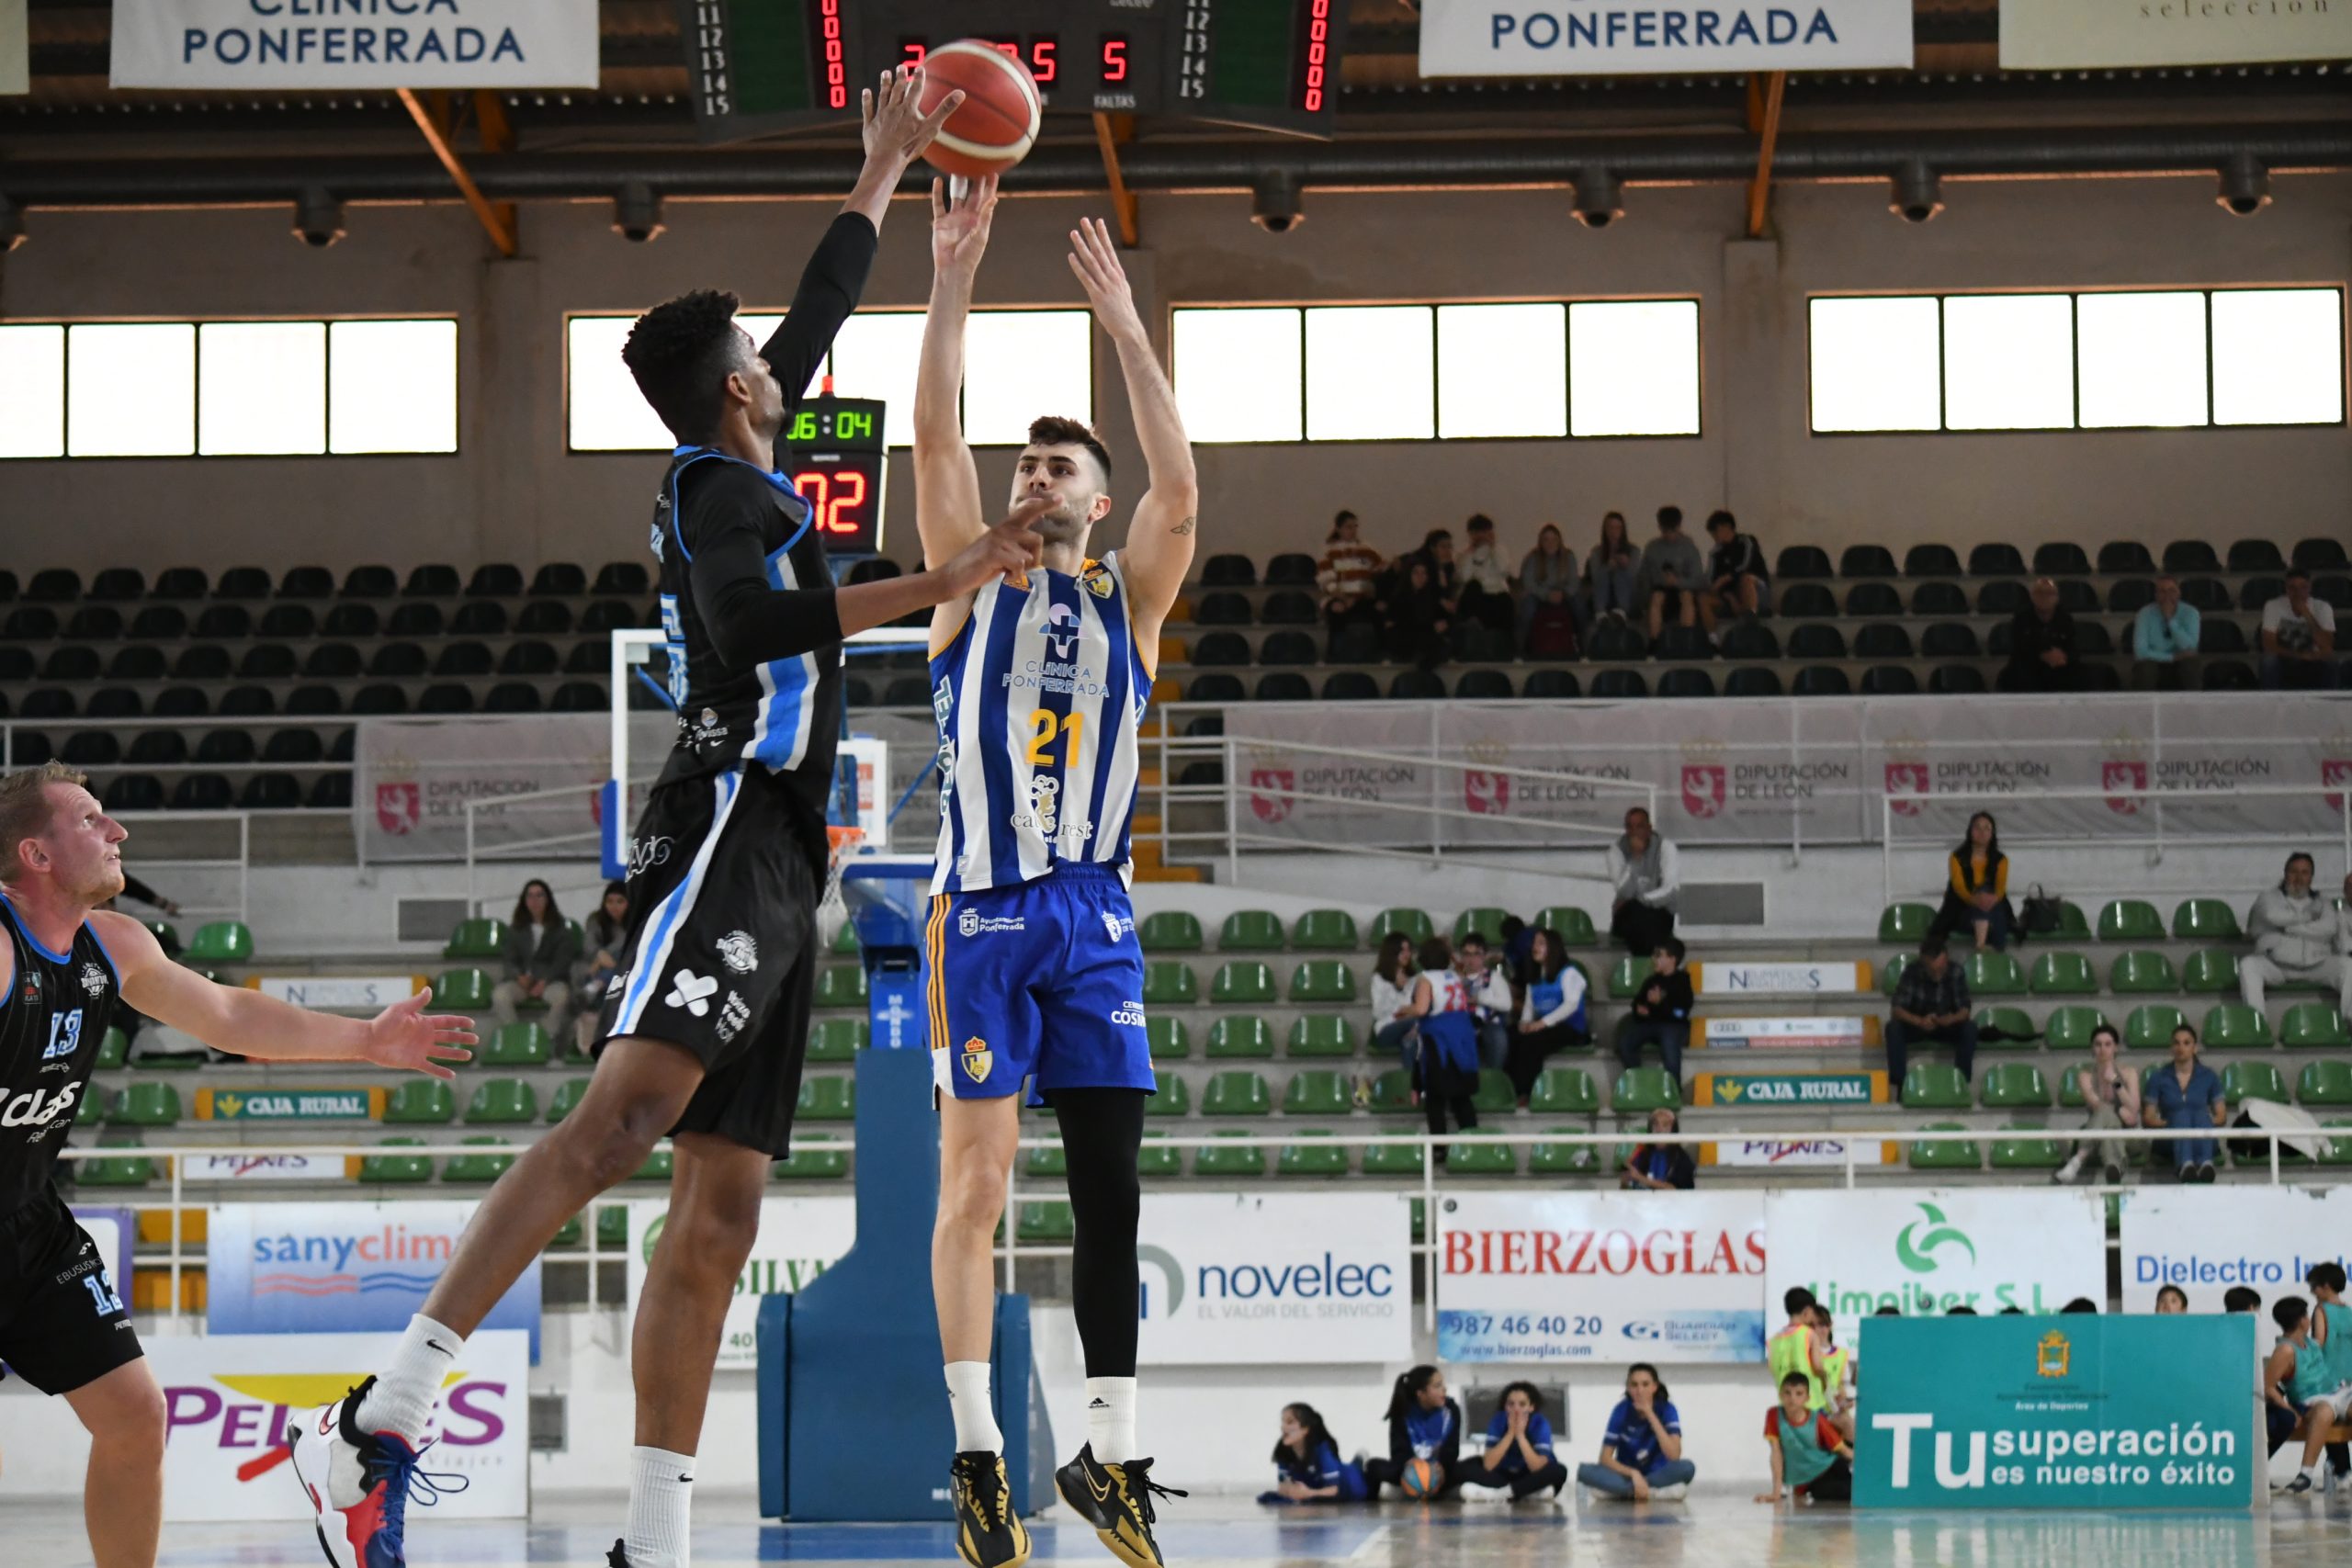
x=2287 y=1312
x=1796 y=1299
x=681 y=352
x=1669 y=517
x=1053 y=430
x=1797 y=1381
x=2241 y=1298
x=1721 y=517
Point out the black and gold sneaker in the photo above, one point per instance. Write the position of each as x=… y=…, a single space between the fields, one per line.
x=988 y=1534
x=1117 y=1500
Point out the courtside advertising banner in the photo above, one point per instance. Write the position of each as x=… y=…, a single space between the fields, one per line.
x=1927 y=1250
x=1601 y=1277
x=269 y=45
x=2039 y=35
x=799 y=1239
x=1505 y=37
x=314 y=1268
x=1279 y=1280
x=2068 y=1412
x=227 y=1399
x=2206 y=1239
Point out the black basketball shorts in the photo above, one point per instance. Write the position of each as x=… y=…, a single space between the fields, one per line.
x=722 y=951
x=63 y=1323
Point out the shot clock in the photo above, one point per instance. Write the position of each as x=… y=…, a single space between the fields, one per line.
x=834 y=457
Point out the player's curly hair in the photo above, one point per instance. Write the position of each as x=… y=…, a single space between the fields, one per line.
x=681 y=352
x=1054 y=431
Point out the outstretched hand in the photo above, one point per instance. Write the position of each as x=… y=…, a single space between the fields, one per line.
x=895 y=128
x=960 y=235
x=1095 y=260
x=1008 y=549
x=406 y=1037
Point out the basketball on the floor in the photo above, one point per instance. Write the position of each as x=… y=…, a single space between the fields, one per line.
x=996 y=124
x=1421 y=1478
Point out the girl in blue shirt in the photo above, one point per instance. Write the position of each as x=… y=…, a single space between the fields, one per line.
x=1308 y=1463
x=1517 y=1461
x=1423 y=1423
x=1641 y=1454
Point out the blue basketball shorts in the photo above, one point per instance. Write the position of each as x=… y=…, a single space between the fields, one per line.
x=1042 y=980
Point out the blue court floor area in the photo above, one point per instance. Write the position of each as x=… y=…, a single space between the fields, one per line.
x=1712 y=1530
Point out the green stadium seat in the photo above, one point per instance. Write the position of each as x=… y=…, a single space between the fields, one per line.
x=2314 y=1026
x=2010 y=1085
x=1236 y=1092
x=2015 y=1026
x=1321 y=1034
x=1392 y=1093
x=1935 y=1085
x=1323 y=980
x=1484 y=918
x=1946 y=1155
x=221 y=941
x=1174 y=1098
x=514 y=1045
x=1169 y=982
x=1994 y=974
x=1324 y=930
x=1474 y=1156
x=1251 y=931
x=2073 y=926
x=1170 y=930
x=1393 y=1159
x=566 y=1099
x=1052 y=1160
x=1906 y=925
x=2205 y=919
x=1625 y=975
x=829 y=1099
x=476 y=941
x=1156 y=1158
x=145 y=1105
x=166 y=933
x=2069 y=1028
x=1565 y=1091
x=844 y=941
x=568 y=1234
x=1645 y=1089
x=1322 y=1157
x=1242 y=982
x=115 y=1170
x=1045 y=1222
x=403 y=1169
x=2325 y=1083
x=1317 y=1091
x=2150 y=1025
x=1562 y=1159
x=1170 y=1041
x=814 y=1158
x=500 y=1102
x=1414 y=923
x=90 y=1113
x=2210 y=971
x=2064 y=973
x=658 y=1165
x=2131 y=919
x=478 y=1168
x=1240 y=1034
x=612 y=1227
x=2036 y=1153
x=837 y=1039
x=841 y=985
x=2142 y=971
x=1249 y=1160
x=1890 y=974
x=1573 y=926
x=2336 y=1151
x=114 y=1049
x=2233 y=1026
x=462 y=991
x=1494 y=1095
x=2253 y=1080
x=420 y=1101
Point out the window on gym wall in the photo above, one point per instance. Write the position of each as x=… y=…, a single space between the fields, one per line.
x=1017 y=366
x=2141 y=359
x=228 y=389
x=1548 y=369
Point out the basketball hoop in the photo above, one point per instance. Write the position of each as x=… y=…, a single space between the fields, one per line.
x=841 y=844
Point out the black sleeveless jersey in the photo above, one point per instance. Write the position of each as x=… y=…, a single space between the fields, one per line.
x=52 y=1022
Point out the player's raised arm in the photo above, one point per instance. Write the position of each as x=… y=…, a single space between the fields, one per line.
x=1158 y=551
x=947 y=487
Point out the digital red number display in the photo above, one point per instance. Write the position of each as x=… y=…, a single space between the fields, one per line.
x=1318 y=56
x=836 y=497
x=831 y=52
x=1115 y=57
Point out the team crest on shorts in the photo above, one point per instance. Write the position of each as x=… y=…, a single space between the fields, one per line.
x=978 y=1058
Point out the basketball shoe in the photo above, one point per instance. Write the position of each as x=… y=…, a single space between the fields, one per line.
x=988 y=1534
x=359 y=1483
x=1117 y=1500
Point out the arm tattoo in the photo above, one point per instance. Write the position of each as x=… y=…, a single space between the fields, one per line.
x=1185 y=526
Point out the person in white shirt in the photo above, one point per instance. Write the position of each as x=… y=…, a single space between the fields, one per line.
x=1647 y=871
x=1486 y=577
x=1491 y=998
x=2297 y=938
x=1392 y=998
x=2299 y=638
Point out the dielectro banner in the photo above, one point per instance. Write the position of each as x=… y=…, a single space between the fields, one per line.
x=2061 y=34
x=2069 y=1411
x=799 y=1239
x=2206 y=1240
x=274 y=44
x=1279 y=1279
x=1603 y=1277
x=1492 y=38
x=228 y=1398
x=1924 y=1251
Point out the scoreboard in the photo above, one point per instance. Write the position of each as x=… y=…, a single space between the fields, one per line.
x=835 y=458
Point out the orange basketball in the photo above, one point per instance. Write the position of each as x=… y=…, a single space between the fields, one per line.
x=996 y=124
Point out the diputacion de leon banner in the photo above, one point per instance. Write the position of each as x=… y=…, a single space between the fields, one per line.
x=2068 y=1412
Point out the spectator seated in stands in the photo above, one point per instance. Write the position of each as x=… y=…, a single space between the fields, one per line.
x=1931 y=1002
x=1608 y=573
x=2298 y=939
x=540 y=951
x=1660 y=1015
x=1811 y=1459
x=2111 y=1095
x=606 y=937
x=1645 y=874
x=2186 y=1095
x=1394 y=1025
x=1419 y=629
x=1547 y=586
x=2301 y=1381
x=2172 y=1302
x=1349 y=579
x=2299 y=638
x=1976 y=887
x=2164 y=633
x=1517 y=1461
x=1442 y=1006
x=1485 y=579
x=1737 y=583
x=1307 y=1464
x=2042 y=646
x=1551 y=1015
x=1661 y=1167
x=1641 y=1452
x=1672 y=575
x=1492 y=1005
x=1424 y=1423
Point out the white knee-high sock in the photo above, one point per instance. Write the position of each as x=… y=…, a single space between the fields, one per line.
x=967 y=1398
x=1111 y=1419
x=406 y=1391
x=661 y=1499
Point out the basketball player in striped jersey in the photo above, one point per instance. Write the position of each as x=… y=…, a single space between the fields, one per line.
x=1032 y=970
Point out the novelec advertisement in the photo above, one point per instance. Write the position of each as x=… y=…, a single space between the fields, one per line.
x=1282 y=1278
x=1924 y=1251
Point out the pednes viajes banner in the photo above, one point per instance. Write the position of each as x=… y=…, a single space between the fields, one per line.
x=2206 y=1239
x=1927 y=1251
x=799 y=1239
x=269 y=44
x=2066 y=1412
x=1505 y=37
x=2048 y=34
x=1603 y=1277
x=1280 y=1278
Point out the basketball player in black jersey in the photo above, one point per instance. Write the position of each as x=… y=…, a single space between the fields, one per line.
x=706 y=1021
x=64 y=961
